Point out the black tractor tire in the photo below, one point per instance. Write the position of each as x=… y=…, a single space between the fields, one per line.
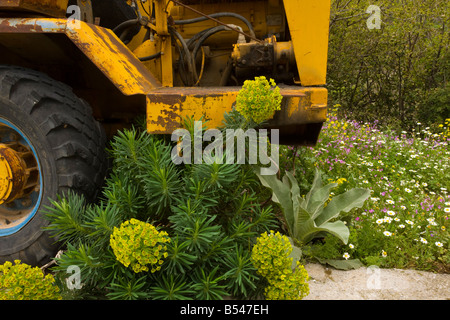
x=69 y=144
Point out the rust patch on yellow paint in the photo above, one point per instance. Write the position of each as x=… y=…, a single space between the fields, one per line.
x=301 y=106
x=99 y=45
x=54 y=8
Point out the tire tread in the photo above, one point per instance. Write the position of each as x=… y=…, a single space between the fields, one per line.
x=77 y=140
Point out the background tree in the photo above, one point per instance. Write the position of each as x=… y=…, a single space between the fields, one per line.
x=397 y=74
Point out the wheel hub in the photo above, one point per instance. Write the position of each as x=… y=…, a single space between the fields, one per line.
x=13 y=174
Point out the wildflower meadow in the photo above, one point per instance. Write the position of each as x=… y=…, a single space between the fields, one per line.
x=404 y=223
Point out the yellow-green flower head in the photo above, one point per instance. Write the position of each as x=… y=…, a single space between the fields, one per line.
x=23 y=282
x=270 y=254
x=139 y=245
x=290 y=286
x=258 y=99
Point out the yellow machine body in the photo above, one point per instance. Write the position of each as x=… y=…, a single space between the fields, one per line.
x=110 y=75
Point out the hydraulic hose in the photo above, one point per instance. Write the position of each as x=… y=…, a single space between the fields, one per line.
x=205 y=35
x=190 y=43
x=124 y=25
x=187 y=53
x=219 y=15
x=153 y=56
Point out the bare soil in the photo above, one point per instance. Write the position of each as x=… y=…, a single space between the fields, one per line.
x=327 y=283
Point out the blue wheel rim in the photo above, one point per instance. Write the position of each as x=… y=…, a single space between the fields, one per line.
x=29 y=210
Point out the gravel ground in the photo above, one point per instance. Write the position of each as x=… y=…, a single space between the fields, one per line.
x=372 y=283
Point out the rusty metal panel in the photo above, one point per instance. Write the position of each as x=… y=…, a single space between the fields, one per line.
x=113 y=58
x=52 y=8
x=303 y=110
x=166 y=107
x=101 y=46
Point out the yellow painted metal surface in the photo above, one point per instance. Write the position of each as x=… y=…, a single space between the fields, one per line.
x=162 y=9
x=304 y=105
x=113 y=58
x=308 y=22
x=166 y=108
x=13 y=176
x=5 y=179
x=99 y=45
x=148 y=48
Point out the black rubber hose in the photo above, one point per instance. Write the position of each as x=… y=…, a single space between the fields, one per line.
x=181 y=65
x=125 y=33
x=219 y=15
x=151 y=57
x=191 y=42
x=205 y=36
x=125 y=25
x=187 y=53
x=202 y=39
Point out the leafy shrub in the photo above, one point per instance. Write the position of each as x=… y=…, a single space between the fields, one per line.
x=383 y=74
x=211 y=218
x=212 y=213
x=436 y=107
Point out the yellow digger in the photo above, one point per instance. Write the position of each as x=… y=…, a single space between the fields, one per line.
x=73 y=72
